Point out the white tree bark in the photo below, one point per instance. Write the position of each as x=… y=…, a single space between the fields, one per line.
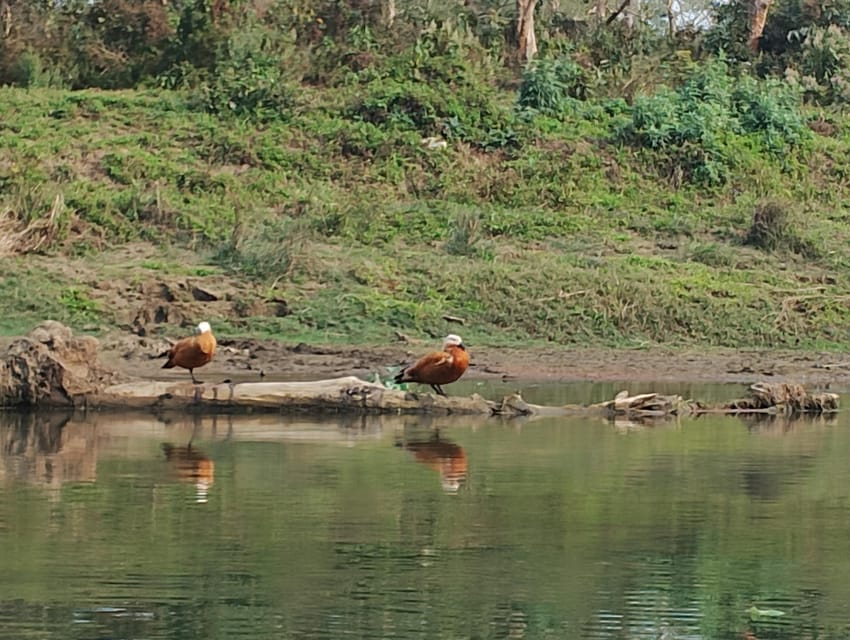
x=388 y=13
x=758 y=18
x=525 y=30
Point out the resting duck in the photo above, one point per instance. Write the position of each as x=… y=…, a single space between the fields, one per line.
x=193 y=352
x=438 y=367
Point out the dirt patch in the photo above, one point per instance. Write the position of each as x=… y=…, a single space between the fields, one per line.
x=51 y=366
x=245 y=359
x=135 y=288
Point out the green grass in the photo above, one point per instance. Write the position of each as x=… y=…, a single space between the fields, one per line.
x=30 y=296
x=565 y=238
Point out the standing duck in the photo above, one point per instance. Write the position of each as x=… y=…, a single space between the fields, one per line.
x=438 y=367
x=193 y=352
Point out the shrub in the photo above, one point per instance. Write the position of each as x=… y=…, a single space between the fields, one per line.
x=28 y=70
x=435 y=96
x=823 y=71
x=116 y=43
x=773 y=228
x=249 y=79
x=548 y=84
x=266 y=250
x=694 y=126
x=770 y=228
x=772 y=110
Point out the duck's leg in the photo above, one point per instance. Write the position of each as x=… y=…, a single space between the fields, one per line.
x=438 y=389
x=191 y=373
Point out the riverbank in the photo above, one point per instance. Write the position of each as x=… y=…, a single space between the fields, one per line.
x=52 y=367
x=243 y=359
x=132 y=213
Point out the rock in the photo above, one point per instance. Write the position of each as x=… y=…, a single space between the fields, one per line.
x=204 y=294
x=157 y=289
x=158 y=313
x=252 y=308
x=281 y=308
x=434 y=143
x=50 y=366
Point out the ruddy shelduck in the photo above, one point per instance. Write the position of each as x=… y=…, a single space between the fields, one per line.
x=193 y=352
x=438 y=367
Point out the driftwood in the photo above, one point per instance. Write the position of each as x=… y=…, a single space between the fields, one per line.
x=348 y=394
x=351 y=394
x=52 y=368
x=765 y=398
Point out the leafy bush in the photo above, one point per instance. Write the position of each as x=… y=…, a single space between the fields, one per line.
x=771 y=109
x=28 y=70
x=547 y=84
x=693 y=126
x=408 y=105
x=249 y=79
x=435 y=95
x=807 y=40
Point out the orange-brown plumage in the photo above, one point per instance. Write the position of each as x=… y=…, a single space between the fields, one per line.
x=448 y=458
x=191 y=465
x=438 y=367
x=193 y=352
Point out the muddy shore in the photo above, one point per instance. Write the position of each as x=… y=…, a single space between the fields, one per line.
x=246 y=359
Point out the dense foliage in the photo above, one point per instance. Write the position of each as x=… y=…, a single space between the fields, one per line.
x=203 y=43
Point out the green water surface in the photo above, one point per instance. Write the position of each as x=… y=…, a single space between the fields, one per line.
x=275 y=527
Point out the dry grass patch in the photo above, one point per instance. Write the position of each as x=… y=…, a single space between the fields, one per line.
x=19 y=238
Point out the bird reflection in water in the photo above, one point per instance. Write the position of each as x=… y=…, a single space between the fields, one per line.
x=191 y=465
x=443 y=456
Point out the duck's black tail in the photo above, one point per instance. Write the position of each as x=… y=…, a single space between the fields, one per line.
x=399 y=377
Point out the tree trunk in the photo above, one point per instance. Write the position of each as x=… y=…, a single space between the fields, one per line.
x=525 y=30
x=388 y=13
x=758 y=17
x=671 y=19
x=6 y=12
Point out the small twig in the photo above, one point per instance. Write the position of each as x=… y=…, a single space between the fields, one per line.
x=562 y=295
x=449 y=318
x=620 y=10
x=815 y=287
x=834 y=365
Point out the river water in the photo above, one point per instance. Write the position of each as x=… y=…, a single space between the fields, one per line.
x=115 y=526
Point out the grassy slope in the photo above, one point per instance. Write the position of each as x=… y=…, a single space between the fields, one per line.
x=364 y=231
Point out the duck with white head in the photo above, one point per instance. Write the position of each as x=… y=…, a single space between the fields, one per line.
x=438 y=367
x=193 y=352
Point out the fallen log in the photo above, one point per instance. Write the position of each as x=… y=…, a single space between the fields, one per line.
x=347 y=394
x=779 y=397
x=52 y=368
x=765 y=398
